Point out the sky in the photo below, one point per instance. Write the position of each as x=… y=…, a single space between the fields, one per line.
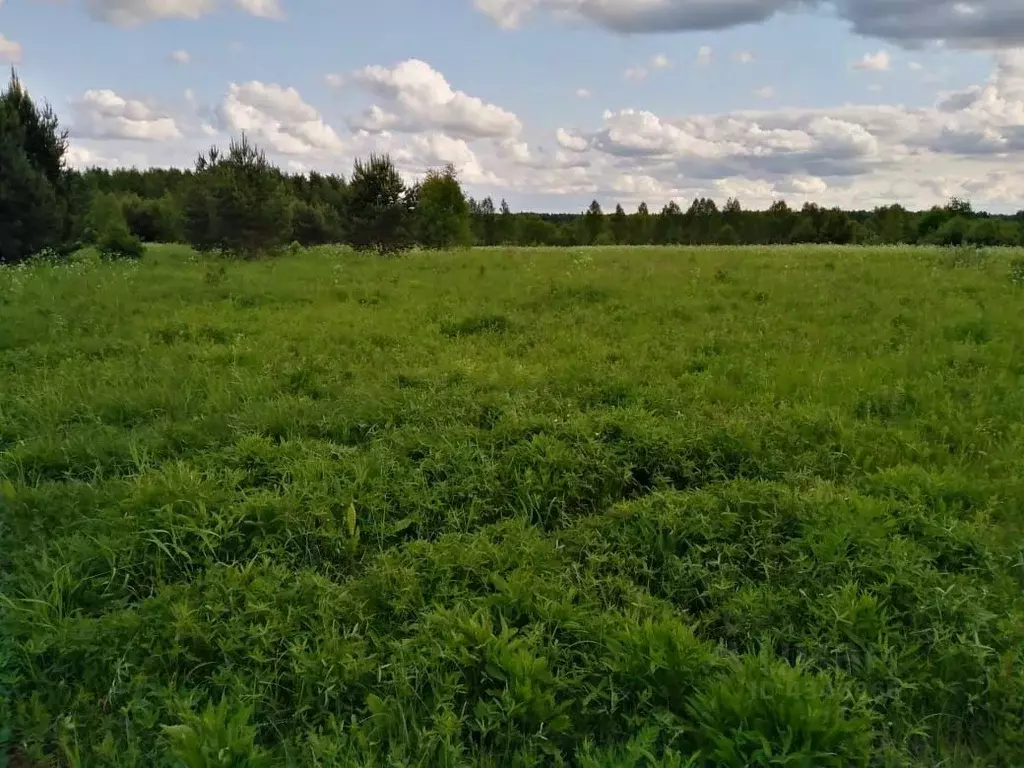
x=552 y=103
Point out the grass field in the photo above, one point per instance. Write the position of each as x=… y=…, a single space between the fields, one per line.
x=542 y=507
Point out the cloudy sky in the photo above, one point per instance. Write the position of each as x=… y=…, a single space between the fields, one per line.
x=550 y=103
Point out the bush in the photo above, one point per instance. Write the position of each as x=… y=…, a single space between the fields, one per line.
x=120 y=244
x=108 y=229
x=380 y=207
x=153 y=221
x=238 y=203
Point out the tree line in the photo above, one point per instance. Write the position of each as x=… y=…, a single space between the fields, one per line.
x=236 y=201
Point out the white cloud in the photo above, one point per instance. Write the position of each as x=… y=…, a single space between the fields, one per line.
x=265 y=9
x=570 y=141
x=131 y=13
x=705 y=55
x=278 y=116
x=745 y=57
x=878 y=62
x=181 y=57
x=909 y=23
x=915 y=66
x=852 y=156
x=106 y=114
x=9 y=50
x=418 y=98
x=765 y=92
x=583 y=93
x=660 y=61
x=635 y=74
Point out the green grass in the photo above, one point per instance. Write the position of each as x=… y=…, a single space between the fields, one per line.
x=673 y=507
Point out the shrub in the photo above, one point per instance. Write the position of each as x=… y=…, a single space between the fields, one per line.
x=238 y=203
x=380 y=207
x=153 y=221
x=107 y=228
x=120 y=244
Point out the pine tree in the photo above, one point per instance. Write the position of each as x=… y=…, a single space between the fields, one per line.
x=238 y=203
x=380 y=207
x=35 y=186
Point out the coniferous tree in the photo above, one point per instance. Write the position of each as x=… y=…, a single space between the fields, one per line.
x=619 y=226
x=380 y=207
x=35 y=186
x=238 y=204
x=593 y=222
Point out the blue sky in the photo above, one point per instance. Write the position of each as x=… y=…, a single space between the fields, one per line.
x=551 y=103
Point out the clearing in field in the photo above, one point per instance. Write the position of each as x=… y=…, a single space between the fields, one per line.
x=596 y=508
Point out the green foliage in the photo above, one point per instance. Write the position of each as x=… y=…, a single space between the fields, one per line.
x=727 y=235
x=220 y=736
x=34 y=184
x=315 y=224
x=155 y=220
x=237 y=203
x=107 y=228
x=380 y=209
x=442 y=213
x=683 y=507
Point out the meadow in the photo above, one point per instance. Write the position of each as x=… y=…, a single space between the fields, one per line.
x=589 y=507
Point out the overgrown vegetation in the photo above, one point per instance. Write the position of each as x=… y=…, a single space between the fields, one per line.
x=598 y=508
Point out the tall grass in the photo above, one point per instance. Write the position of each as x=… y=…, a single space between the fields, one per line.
x=608 y=507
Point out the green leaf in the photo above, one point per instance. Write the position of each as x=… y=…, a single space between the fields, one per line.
x=350 y=520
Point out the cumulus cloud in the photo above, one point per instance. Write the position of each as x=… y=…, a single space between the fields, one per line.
x=850 y=155
x=106 y=114
x=569 y=141
x=265 y=9
x=9 y=50
x=181 y=57
x=278 y=116
x=131 y=13
x=704 y=55
x=878 y=62
x=981 y=23
x=418 y=98
x=660 y=61
x=583 y=93
x=745 y=57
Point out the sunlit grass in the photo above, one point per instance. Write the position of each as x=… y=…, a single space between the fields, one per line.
x=612 y=507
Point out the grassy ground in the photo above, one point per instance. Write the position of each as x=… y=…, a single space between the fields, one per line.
x=597 y=508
